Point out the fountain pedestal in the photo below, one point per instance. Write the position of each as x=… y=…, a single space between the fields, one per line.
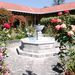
x=37 y=46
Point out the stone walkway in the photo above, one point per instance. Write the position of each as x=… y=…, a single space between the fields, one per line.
x=25 y=65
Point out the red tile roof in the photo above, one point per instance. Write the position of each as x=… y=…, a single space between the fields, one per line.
x=26 y=9
x=18 y=8
x=62 y=7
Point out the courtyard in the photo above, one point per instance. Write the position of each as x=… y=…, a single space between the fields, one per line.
x=37 y=41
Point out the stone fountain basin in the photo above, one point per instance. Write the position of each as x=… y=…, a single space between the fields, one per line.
x=42 y=44
x=41 y=40
x=43 y=47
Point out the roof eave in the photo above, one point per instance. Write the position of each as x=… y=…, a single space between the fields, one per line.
x=38 y=13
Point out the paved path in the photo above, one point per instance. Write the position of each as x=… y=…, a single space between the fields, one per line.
x=22 y=65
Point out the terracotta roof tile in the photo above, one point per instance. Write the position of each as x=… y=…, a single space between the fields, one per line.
x=20 y=8
x=26 y=9
x=62 y=7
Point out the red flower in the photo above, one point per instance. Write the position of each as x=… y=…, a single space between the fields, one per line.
x=66 y=11
x=59 y=13
x=6 y=25
x=53 y=20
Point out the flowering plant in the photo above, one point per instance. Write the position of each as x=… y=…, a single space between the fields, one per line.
x=3 y=68
x=3 y=52
x=4 y=36
x=64 y=29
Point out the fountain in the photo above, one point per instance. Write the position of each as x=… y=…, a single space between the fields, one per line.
x=37 y=46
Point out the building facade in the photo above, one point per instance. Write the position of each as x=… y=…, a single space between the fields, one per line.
x=33 y=15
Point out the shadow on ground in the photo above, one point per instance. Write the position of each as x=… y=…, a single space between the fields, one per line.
x=29 y=73
x=58 y=68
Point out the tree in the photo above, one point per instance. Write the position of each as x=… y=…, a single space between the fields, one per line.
x=58 y=2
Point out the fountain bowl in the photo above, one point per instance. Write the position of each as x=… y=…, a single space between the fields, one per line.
x=39 y=27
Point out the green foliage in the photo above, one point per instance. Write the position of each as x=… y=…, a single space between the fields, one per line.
x=4 y=35
x=63 y=28
x=20 y=34
x=45 y=21
x=4 y=15
x=71 y=60
x=48 y=29
x=30 y=30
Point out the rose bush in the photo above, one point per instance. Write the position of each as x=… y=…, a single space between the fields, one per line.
x=64 y=29
x=3 y=50
x=62 y=26
x=4 y=36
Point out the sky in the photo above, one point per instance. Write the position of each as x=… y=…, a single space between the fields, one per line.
x=34 y=3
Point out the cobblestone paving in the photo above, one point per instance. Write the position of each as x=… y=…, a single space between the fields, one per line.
x=20 y=65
